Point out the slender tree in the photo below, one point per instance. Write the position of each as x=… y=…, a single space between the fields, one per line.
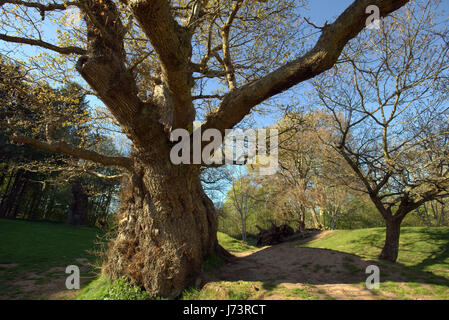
x=389 y=107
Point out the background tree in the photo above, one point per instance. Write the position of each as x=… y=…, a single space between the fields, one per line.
x=303 y=160
x=31 y=177
x=147 y=61
x=243 y=196
x=307 y=189
x=434 y=213
x=386 y=101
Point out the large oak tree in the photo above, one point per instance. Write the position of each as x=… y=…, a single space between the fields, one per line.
x=147 y=61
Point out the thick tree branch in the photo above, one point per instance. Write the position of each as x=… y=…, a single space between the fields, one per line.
x=103 y=176
x=172 y=44
x=80 y=153
x=43 y=44
x=225 y=31
x=239 y=102
x=105 y=69
x=41 y=7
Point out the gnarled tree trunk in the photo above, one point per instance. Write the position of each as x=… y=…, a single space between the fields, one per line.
x=168 y=226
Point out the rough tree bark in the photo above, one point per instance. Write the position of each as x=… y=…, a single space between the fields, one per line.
x=391 y=247
x=168 y=227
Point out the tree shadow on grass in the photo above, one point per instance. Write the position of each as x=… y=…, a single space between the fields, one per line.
x=425 y=252
x=430 y=250
x=313 y=266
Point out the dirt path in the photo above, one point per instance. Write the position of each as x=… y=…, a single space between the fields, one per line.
x=283 y=270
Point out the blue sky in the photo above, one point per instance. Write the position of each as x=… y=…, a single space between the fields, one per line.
x=322 y=10
x=319 y=12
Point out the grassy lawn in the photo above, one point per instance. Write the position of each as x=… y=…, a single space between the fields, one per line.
x=34 y=255
x=423 y=258
x=422 y=270
x=423 y=265
x=422 y=249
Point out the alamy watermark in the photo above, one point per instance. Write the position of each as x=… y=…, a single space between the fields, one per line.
x=256 y=148
x=373 y=21
x=73 y=280
x=373 y=280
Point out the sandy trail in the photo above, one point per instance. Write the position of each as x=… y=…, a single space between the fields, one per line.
x=329 y=273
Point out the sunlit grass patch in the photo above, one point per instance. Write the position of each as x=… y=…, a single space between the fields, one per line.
x=233 y=245
x=105 y=289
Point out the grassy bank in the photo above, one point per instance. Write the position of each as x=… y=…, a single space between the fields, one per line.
x=421 y=249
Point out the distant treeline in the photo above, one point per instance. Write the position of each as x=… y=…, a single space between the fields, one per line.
x=41 y=185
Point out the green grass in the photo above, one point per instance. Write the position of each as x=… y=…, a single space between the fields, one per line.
x=422 y=249
x=37 y=247
x=225 y=290
x=31 y=249
x=233 y=245
x=301 y=293
x=423 y=258
x=43 y=245
x=247 y=290
x=105 y=289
